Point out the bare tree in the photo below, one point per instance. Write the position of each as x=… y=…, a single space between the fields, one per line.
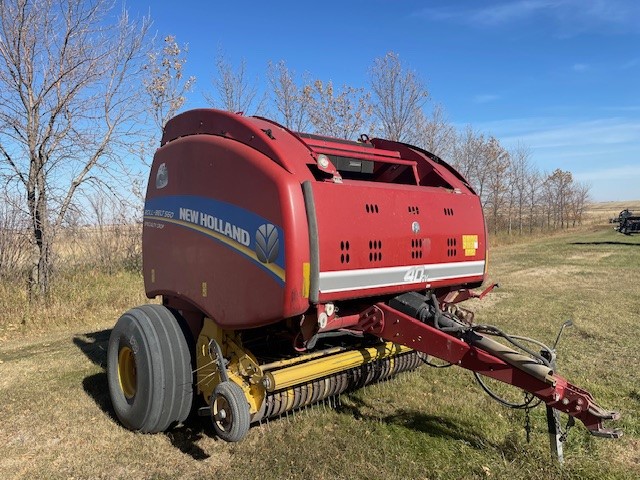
x=533 y=191
x=475 y=158
x=519 y=170
x=467 y=152
x=68 y=101
x=114 y=241
x=579 y=198
x=559 y=186
x=14 y=237
x=434 y=133
x=397 y=97
x=165 y=83
x=343 y=115
x=233 y=91
x=495 y=166
x=288 y=98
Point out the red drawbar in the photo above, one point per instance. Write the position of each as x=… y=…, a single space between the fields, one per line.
x=395 y=326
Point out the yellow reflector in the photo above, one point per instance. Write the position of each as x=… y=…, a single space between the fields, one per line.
x=306 y=275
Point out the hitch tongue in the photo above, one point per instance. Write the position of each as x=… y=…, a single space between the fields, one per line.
x=409 y=320
x=580 y=404
x=596 y=429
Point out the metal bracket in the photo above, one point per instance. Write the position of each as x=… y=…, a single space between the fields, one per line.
x=568 y=323
x=556 y=437
x=214 y=347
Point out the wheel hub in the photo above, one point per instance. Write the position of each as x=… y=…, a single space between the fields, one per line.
x=221 y=413
x=127 y=372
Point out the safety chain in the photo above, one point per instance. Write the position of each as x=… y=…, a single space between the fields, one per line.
x=527 y=423
x=527 y=417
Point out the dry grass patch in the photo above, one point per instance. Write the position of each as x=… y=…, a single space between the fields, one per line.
x=79 y=298
x=606 y=210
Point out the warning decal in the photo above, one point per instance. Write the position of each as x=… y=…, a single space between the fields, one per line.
x=470 y=245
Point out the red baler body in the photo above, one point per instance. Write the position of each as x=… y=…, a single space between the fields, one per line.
x=392 y=219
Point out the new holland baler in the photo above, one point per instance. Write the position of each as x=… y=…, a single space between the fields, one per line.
x=294 y=267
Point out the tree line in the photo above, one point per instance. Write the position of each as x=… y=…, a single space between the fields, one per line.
x=86 y=90
x=516 y=196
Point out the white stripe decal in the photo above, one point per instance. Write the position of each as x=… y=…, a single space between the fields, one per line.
x=344 y=280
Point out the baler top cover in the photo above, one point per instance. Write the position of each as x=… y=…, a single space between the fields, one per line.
x=241 y=207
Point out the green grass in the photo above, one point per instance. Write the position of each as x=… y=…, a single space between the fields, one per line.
x=428 y=424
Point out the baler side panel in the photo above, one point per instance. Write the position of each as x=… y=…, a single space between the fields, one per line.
x=215 y=232
x=378 y=239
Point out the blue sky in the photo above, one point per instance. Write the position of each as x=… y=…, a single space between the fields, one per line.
x=561 y=76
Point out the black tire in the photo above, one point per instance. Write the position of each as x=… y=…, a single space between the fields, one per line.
x=230 y=412
x=149 y=370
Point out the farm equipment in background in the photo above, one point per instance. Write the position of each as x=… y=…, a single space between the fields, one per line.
x=628 y=223
x=294 y=267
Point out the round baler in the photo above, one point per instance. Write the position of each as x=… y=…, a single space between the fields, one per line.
x=294 y=267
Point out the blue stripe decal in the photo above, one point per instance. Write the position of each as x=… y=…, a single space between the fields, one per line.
x=241 y=230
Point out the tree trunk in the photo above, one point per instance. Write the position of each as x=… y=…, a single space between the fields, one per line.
x=39 y=278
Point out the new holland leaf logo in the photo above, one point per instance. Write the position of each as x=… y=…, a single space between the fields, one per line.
x=267 y=243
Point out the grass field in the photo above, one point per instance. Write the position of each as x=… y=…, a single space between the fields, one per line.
x=57 y=420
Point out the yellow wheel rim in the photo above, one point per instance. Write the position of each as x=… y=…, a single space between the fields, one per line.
x=127 y=372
